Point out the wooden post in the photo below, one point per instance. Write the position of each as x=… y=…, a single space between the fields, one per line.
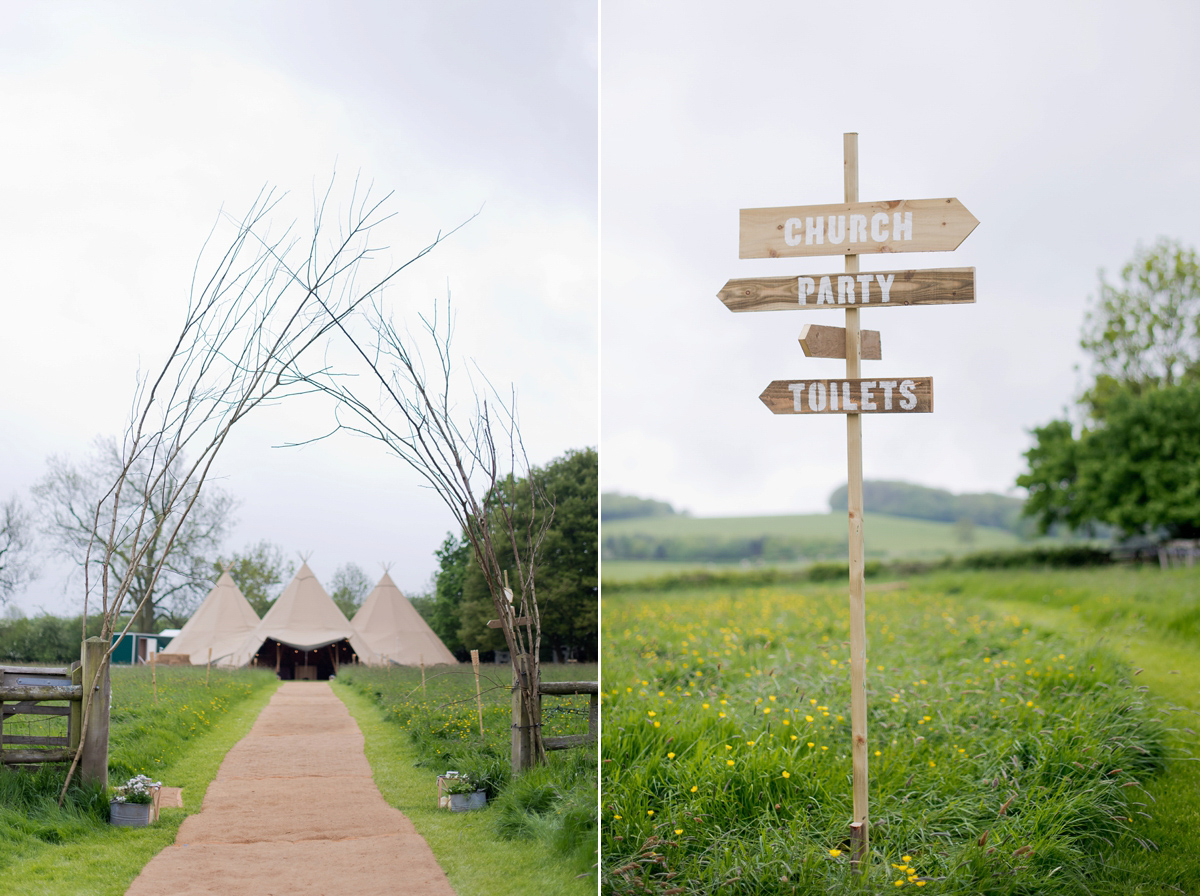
x=521 y=753
x=858 y=626
x=154 y=674
x=97 y=686
x=478 y=693
x=75 y=717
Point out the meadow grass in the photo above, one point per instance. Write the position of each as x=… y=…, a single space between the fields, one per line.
x=554 y=805
x=1003 y=760
x=180 y=740
x=890 y=536
x=478 y=857
x=1147 y=615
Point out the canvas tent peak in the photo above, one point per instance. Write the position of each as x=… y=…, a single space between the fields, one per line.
x=221 y=623
x=395 y=631
x=305 y=629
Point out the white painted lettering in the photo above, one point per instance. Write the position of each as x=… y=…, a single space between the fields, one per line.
x=858 y=228
x=814 y=230
x=908 y=400
x=885 y=285
x=833 y=397
x=878 y=227
x=816 y=396
x=839 y=235
x=797 y=396
x=864 y=288
x=864 y=395
x=887 y=386
x=790 y=236
x=807 y=286
x=847 y=403
x=899 y=227
x=825 y=292
x=845 y=290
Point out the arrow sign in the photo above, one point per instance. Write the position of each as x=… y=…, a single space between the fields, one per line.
x=830 y=342
x=854 y=228
x=909 y=395
x=878 y=289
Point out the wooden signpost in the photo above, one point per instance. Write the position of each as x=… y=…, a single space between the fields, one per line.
x=879 y=289
x=855 y=228
x=851 y=229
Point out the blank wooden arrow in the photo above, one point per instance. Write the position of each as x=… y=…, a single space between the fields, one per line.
x=830 y=342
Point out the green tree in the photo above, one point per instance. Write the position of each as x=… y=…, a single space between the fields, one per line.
x=567 y=574
x=453 y=557
x=1134 y=463
x=1139 y=470
x=260 y=571
x=1145 y=332
x=350 y=585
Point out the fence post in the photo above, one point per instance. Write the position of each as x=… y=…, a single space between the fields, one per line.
x=521 y=758
x=75 y=719
x=93 y=759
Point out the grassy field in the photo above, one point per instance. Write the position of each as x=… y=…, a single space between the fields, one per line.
x=541 y=831
x=1015 y=747
x=179 y=740
x=888 y=538
x=551 y=808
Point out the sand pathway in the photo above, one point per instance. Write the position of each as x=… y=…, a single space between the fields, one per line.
x=294 y=810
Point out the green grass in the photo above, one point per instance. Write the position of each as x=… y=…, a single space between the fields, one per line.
x=1148 y=616
x=440 y=721
x=478 y=856
x=181 y=741
x=888 y=538
x=1004 y=759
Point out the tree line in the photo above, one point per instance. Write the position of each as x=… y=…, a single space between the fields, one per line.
x=567 y=575
x=1128 y=456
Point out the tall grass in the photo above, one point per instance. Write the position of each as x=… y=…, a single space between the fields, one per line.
x=1002 y=761
x=556 y=802
x=145 y=737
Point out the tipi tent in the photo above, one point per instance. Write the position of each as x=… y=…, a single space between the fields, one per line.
x=304 y=634
x=222 y=622
x=395 y=631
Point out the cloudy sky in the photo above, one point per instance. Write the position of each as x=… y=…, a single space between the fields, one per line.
x=1067 y=128
x=128 y=126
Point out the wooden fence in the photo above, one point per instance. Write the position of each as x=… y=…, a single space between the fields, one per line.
x=522 y=748
x=41 y=691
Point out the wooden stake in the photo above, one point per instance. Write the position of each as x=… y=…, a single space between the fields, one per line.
x=93 y=760
x=478 y=693
x=858 y=625
x=154 y=674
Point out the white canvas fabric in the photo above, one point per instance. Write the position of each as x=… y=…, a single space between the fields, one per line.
x=395 y=631
x=222 y=622
x=306 y=618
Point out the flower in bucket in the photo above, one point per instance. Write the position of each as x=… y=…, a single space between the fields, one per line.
x=462 y=784
x=138 y=790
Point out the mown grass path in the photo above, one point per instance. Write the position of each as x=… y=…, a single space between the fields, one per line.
x=477 y=860
x=1170 y=669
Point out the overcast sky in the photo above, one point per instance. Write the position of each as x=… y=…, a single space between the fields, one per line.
x=128 y=126
x=1067 y=128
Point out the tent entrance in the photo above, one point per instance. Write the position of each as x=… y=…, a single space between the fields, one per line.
x=292 y=664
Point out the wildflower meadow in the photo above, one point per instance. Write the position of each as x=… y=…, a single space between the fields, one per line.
x=1002 y=760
